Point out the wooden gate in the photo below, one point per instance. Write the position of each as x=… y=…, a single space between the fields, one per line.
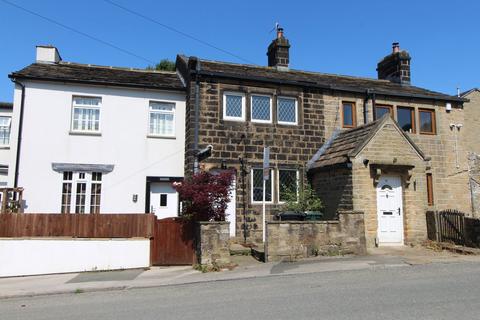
x=173 y=242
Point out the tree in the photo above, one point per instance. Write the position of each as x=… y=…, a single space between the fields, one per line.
x=205 y=196
x=163 y=65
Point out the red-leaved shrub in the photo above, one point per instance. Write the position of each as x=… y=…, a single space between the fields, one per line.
x=205 y=196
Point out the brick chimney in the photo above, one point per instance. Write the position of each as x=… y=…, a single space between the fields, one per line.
x=396 y=66
x=278 y=51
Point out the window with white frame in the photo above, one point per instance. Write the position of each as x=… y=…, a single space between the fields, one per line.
x=81 y=192
x=287 y=112
x=261 y=108
x=86 y=114
x=5 y=124
x=287 y=185
x=162 y=119
x=257 y=186
x=234 y=106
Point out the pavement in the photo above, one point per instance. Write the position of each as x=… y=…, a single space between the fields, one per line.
x=248 y=268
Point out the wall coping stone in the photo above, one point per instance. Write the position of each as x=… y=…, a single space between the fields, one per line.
x=305 y=222
x=212 y=222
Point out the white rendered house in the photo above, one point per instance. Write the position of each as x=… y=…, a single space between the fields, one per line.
x=96 y=139
x=5 y=125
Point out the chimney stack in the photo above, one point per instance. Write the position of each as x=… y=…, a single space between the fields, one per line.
x=278 y=51
x=396 y=66
x=48 y=54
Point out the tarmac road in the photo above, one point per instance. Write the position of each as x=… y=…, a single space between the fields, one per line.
x=432 y=291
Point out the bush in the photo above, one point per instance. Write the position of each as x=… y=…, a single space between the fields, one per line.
x=205 y=196
x=307 y=200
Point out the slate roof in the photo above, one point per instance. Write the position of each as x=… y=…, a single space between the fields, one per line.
x=100 y=75
x=314 y=79
x=6 y=105
x=350 y=142
x=466 y=93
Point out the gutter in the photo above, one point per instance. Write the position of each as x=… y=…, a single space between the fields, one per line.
x=330 y=87
x=20 y=128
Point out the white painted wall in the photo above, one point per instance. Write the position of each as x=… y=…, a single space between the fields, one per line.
x=123 y=142
x=21 y=257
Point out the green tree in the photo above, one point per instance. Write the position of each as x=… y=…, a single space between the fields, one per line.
x=163 y=65
x=303 y=200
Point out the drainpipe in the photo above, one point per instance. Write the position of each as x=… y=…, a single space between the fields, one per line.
x=365 y=106
x=197 y=116
x=20 y=126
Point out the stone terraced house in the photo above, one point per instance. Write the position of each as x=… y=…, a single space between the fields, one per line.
x=381 y=146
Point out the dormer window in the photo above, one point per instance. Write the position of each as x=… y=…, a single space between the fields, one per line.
x=234 y=106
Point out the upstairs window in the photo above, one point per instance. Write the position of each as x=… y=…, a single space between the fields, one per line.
x=86 y=114
x=162 y=119
x=287 y=112
x=406 y=119
x=348 y=115
x=427 y=121
x=5 y=123
x=234 y=106
x=287 y=184
x=381 y=110
x=261 y=108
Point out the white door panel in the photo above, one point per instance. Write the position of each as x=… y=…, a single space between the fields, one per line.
x=163 y=200
x=390 y=210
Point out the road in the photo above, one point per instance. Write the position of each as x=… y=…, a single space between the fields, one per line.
x=434 y=291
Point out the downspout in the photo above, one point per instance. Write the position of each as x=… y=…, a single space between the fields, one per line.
x=369 y=94
x=197 y=116
x=20 y=127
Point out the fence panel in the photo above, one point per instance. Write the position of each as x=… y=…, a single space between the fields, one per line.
x=77 y=225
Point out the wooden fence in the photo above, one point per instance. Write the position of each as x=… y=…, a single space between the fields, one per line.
x=77 y=225
x=447 y=226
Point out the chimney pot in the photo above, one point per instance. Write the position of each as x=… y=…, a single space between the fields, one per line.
x=279 y=33
x=395 y=47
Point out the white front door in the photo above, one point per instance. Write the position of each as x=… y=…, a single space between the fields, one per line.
x=390 y=211
x=163 y=200
x=231 y=212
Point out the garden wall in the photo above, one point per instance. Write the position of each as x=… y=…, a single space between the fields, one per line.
x=213 y=243
x=293 y=240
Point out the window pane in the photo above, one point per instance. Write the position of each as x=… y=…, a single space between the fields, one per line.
x=405 y=119
x=426 y=121
x=287 y=110
x=261 y=108
x=80 y=198
x=233 y=106
x=162 y=118
x=95 y=194
x=86 y=119
x=163 y=200
x=5 y=130
x=66 y=197
x=380 y=111
x=258 y=186
x=348 y=115
x=288 y=184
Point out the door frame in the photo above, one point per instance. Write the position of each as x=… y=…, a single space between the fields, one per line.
x=377 y=212
x=150 y=180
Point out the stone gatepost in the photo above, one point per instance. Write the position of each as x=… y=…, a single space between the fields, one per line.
x=213 y=243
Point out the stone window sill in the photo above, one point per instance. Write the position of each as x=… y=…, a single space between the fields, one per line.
x=83 y=133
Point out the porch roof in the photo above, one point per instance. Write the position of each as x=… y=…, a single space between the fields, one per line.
x=346 y=144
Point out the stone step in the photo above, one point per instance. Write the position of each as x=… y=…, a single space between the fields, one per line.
x=239 y=250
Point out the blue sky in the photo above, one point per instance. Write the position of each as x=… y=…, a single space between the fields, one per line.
x=343 y=37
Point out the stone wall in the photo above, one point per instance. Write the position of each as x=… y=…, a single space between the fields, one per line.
x=472 y=121
x=474 y=166
x=291 y=146
x=334 y=187
x=213 y=243
x=293 y=240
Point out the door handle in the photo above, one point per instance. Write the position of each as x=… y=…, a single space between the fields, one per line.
x=399 y=212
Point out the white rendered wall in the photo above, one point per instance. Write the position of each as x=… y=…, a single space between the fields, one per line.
x=21 y=257
x=123 y=142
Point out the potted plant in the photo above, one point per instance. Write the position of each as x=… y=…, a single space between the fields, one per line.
x=305 y=202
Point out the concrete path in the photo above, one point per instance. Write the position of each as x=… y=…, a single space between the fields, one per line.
x=247 y=268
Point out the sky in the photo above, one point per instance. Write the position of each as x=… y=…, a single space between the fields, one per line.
x=340 y=37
